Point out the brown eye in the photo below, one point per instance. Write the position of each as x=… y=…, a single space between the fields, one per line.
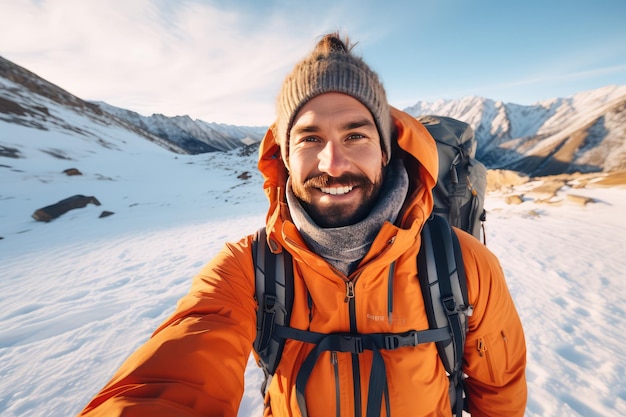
x=309 y=139
x=356 y=136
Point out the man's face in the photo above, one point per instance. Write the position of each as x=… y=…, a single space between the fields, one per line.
x=335 y=159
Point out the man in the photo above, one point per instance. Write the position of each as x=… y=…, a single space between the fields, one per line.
x=349 y=182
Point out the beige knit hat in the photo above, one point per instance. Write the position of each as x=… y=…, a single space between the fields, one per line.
x=331 y=67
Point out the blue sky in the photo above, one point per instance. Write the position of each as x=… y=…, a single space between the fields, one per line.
x=224 y=61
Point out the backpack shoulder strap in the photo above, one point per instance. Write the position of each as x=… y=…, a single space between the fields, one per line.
x=444 y=287
x=274 y=295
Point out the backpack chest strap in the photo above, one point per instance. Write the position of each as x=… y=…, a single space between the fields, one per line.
x=356 y=344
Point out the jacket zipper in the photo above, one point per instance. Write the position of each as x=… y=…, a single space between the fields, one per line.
x=349 y=292
x=482 y=351
x=506 y=349
x=356 y=369
x=335 y=364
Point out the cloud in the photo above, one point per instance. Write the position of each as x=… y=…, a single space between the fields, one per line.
x=225 y=61
x=190 y=58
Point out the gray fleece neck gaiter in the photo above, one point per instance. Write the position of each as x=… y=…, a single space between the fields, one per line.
x=344 y=247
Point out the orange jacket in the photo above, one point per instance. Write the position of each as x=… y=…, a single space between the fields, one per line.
x=194 y=363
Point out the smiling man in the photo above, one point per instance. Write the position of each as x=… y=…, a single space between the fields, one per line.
x=335 y=159
x=349 y=182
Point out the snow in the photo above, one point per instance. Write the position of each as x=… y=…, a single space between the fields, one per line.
x=79 y=294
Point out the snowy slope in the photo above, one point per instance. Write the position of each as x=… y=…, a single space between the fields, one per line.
x=80 y=293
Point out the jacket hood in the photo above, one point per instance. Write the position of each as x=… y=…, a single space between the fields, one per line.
x=415 y=146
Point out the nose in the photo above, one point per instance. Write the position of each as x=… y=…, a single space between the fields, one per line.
x=333 y=159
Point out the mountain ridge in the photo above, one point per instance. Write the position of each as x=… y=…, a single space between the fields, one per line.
x=582 y=133
x=550 y=137
x=195 y=136
x=27 y=99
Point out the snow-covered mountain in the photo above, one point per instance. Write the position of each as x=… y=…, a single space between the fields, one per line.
x=27 y=99
x=583 y=133
x=195 y=136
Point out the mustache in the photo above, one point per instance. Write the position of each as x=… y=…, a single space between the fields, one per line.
x=348 y=179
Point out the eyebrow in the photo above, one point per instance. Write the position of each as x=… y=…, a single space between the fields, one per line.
x=306 y=129
x=354 y=124
x=358 y=123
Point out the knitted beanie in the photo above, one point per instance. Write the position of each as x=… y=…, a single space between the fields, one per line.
x=331 y=67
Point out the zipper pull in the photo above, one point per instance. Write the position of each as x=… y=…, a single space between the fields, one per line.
x=482 y=347
x=349 y=291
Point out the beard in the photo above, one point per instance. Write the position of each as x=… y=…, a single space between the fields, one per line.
x=339 y=214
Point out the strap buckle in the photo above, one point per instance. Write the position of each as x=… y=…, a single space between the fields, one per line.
x=449 y=305
x=395 y=341
x=269 y=303
x=350 y=343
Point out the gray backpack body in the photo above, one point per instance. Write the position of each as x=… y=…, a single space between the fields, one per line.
x=462 y=181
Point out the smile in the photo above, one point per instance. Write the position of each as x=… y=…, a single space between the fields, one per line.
x=336 y=190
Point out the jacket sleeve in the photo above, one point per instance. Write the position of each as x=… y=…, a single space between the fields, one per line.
x=495 y=349
x=194 y=363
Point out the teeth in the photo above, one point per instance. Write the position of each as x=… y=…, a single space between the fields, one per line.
x=336 y=190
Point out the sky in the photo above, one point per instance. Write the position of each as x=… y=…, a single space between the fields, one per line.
x=79 y=294
x=224 y=62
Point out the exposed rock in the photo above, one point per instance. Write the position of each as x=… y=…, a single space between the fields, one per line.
x=514 y=199
x=547 y=190
x=9 y=152
x=53 y=211
x=244 y=175
x=500 y=178
x=579 y=199
x=611 y=179
x=72 y=171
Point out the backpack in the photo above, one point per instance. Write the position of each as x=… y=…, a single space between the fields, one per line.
x=462 y=181
x=439 y=262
